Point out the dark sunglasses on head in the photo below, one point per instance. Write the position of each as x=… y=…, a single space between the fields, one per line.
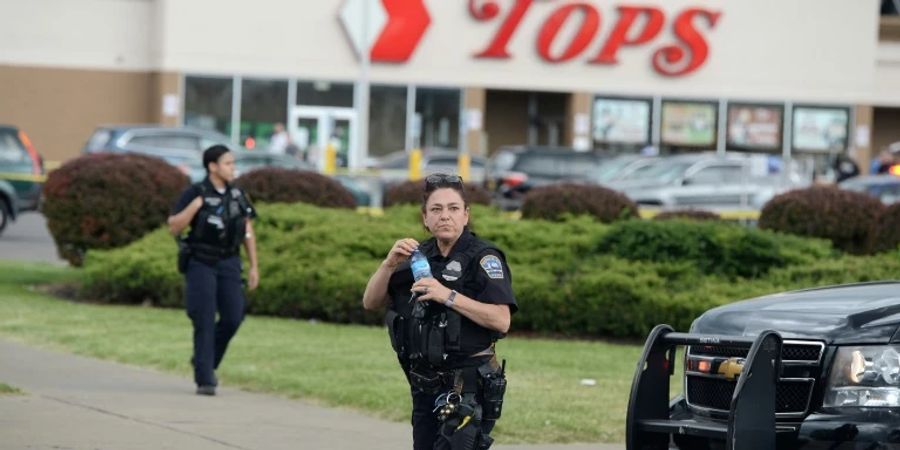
x=440 y=179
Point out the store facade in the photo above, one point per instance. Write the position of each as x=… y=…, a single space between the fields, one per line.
x=374 y=77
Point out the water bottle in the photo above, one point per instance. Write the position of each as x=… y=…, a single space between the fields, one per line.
x=419 y=265
x=420 y=269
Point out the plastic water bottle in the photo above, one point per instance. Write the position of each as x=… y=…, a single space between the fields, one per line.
x=419 y=265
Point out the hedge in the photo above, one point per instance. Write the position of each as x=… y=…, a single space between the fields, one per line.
x=412 y=192
x=276 y=184
x=555 y=201
x=102 y=201
x=573 y=277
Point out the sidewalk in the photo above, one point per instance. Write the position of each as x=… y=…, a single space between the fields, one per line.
x=73 y=402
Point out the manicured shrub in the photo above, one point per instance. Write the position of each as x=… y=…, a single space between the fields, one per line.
x=574 y=277
x=557 y=200
x=275 y=184
x=411 y=192
x=724 y=249
x=845 y=218
x=887 y=230
x=108 y=200
x=687 y=214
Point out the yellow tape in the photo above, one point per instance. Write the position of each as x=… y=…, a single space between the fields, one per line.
x=731 y=214
x=10 y=176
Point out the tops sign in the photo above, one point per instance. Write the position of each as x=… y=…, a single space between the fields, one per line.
x=673 y=59
x=394 y=29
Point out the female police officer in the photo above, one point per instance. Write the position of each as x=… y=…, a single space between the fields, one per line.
x=219 y=216
x=444 y=334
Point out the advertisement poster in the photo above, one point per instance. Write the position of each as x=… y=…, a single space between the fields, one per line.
x=689 y=124
x=621 y=121
x=821 y=129
x=754 y=126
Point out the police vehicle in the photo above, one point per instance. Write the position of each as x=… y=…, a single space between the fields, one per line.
x=811 y=369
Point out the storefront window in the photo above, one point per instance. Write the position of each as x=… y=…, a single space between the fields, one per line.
x=207 y=103
x=688 y=126
x=263 y=105
x=323 y=93
x=387 y=120
x=438 y=113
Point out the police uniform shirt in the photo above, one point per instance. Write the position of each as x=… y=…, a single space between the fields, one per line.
x=491 y=271
x=216 y=201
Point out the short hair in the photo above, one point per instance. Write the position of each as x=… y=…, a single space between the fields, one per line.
x=212 y=155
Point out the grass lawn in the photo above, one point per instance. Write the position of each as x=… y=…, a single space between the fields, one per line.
x=336 y=365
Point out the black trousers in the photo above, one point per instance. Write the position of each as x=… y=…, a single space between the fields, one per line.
x=427 y=428
x=210 y=289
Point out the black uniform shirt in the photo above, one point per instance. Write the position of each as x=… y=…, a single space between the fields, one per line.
x=491 y=271
x=216 y=203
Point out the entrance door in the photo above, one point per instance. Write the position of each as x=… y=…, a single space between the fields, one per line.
x=312 y=128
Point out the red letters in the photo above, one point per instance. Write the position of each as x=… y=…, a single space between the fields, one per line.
x=618 y=37
x=688 y=54
x=589 y=26
x=670 y=60
x=489 y=10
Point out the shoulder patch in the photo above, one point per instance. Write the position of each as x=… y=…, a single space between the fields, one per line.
x=492 y=266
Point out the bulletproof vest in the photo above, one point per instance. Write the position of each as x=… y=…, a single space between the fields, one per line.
x=430 y=334
x=219 y=226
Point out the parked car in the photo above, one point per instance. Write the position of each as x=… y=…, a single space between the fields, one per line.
x=513 y=171
x=180 y=146
x=618 y=168
x=835 y=383
x=151 y=138
x=708 y=181
x=21 y=174
x=883 y=187
x=394 y=167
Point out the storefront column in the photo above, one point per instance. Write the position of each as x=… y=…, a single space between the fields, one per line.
x=166 y=99
x=577 y=131
x=472 y=123
x=861 y=137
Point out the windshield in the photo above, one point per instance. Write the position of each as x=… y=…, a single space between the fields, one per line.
x=664 y=171
x=562 y=165
x=610 y=169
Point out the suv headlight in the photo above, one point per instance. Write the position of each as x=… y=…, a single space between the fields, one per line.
x=866 y=376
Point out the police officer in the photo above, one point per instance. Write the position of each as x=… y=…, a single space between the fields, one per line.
x=444 y=328
x=219 y=216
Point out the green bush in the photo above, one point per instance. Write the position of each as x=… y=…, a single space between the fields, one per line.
x=723 y=249
x=887 y=230
x=412 y=192
x=557 y=200
x=278 y=185
x=687 y=214
x=104 y=201
x=573 y=277
x=845 y=218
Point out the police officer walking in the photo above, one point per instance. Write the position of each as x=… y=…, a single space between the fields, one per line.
x=444 y=327
x=219 y=216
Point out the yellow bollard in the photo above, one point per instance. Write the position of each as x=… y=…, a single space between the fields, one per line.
x=463 y=165
x=330 y=159
x=415 y=164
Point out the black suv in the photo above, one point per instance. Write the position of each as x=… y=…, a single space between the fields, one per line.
x=21 y=174
x=811 y=369
x=513 y=171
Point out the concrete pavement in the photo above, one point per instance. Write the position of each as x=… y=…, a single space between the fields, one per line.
x=27 y=239
x=74 y=402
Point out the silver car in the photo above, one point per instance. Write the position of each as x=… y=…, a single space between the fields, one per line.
x=708 y=181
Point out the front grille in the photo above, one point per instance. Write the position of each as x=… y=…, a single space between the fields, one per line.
x=791 y=396
x=790 y=351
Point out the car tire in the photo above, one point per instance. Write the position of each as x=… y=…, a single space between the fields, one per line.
x=4 y=215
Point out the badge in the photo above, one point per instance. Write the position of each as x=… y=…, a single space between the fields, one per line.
x=213 y=201
x=235 y=192
x=452 y=271
x=492 y=267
